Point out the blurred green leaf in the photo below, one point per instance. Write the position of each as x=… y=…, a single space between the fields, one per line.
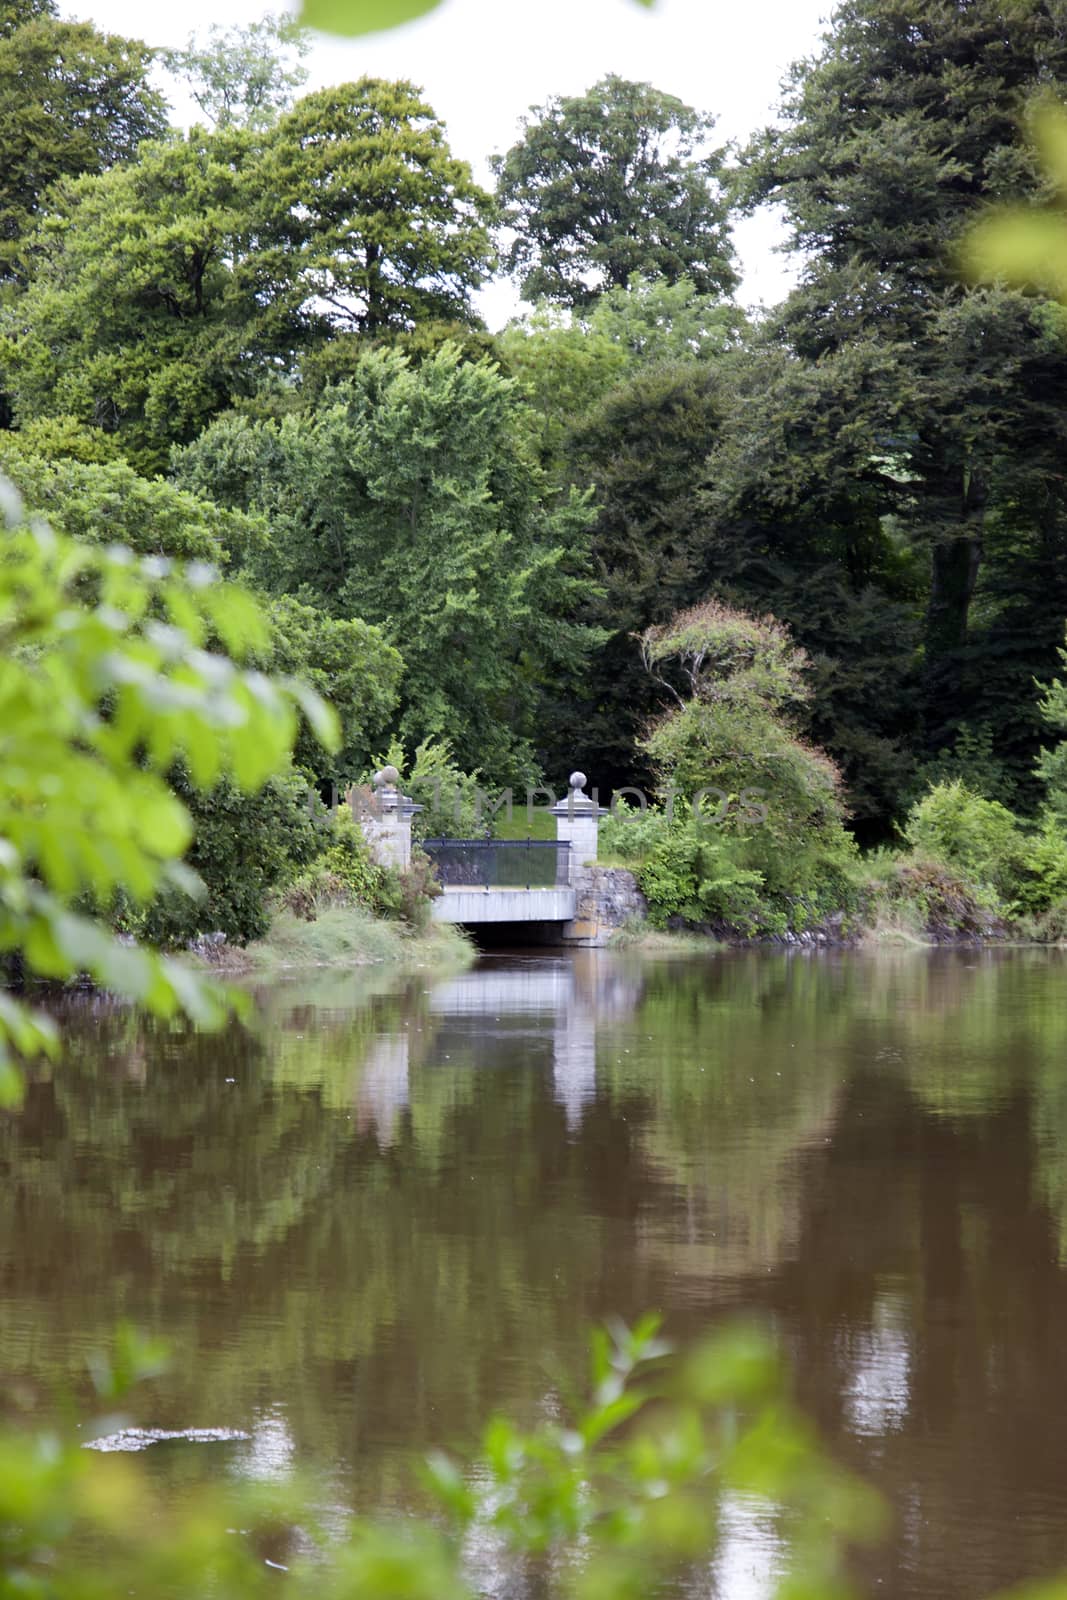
x=1047 y=120
x=352 y=17
x=1020 y=246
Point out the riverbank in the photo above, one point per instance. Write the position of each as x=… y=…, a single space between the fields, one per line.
x=340 y=936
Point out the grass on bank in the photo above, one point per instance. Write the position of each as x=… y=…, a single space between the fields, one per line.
x=345 y=936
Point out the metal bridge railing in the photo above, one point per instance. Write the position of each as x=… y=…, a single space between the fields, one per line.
x=500 y=863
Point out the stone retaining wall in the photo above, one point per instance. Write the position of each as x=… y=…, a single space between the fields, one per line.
x=606 y=898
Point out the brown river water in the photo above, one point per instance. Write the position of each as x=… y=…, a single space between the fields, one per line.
x=392 y=1207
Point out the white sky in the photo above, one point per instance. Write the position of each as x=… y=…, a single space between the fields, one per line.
x=483 y=63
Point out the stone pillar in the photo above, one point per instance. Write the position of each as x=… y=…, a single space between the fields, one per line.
x=577 y=824
x=387 y=823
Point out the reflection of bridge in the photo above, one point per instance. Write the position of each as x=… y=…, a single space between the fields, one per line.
x=553 y=1001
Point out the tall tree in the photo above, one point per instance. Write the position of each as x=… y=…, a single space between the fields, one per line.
x=801 y=497
x=620 y=180
x=566 y=362
x=410 y=498
x=243 y=76
x=642 y=451
x=72 y=100
x=148 y=309
x=383 y=226
x=908 y=122
x=162 y=292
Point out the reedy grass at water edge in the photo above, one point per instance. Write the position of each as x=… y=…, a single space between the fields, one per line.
x=345 y=936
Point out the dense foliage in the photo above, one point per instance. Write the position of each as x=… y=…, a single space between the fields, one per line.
x=105 y=684
x=256 y=343
x=408 y=496
x=805 y=580
x=72 y=100
x=609 y=183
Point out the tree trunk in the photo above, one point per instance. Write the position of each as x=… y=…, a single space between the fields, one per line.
x=956 y=559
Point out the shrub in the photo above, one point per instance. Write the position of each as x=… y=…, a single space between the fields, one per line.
x=953 y=825
x=973 y=761
x=629 y=835
x=1042 y=882
x=1052 y=764
x=782 y=817
x=449 y=797
x=1050 y=927
x=345 y=874
x=409 y=893
x=689 y=875
x=927 y=898
x=243 y=847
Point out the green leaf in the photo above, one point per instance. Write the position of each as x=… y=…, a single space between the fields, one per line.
x=11 y=1085
x=1021 y=247
x=352 y=17
x=322 y=718
x=1048 y=121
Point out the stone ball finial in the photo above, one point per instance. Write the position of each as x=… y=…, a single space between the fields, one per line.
x=577 y=780
x=390 y=777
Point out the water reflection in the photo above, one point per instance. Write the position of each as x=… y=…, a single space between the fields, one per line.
x=384 y=1211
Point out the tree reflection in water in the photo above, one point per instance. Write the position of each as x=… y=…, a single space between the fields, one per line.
x=385 y=1210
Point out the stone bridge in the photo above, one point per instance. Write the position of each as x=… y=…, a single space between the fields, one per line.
x=554 y=889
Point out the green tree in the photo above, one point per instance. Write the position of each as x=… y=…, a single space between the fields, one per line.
x=149 y=307
x=163 y=292
x=566 y=362
x=656 y=320
x=361 y=198
x=619 y=180
x=642 y=452
x=979 y=837
x=243 y=76
x=350 y=664
x=1052 y=764
x=626 y=399
x=800 y=504
x=734 y=686
x=84 y=807
x=409 y=498
x=903 y=128
x=106 y=502
x=72 y=100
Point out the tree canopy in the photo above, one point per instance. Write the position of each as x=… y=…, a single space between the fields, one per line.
x=72 y=100
x=259 y=343
x=907 y=123
x=163 y=291
x=406 y=497
x=619 y=180
x=363 y=201
x=242 y=76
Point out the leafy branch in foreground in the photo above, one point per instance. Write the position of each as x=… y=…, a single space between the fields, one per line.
x=1027 y=245
x=617 y=1499
x=351 y=17
x=106 y=679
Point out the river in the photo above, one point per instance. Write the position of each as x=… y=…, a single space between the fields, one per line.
x=388 y=1208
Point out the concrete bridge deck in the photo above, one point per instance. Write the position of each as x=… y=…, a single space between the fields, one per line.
x=469 y=906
